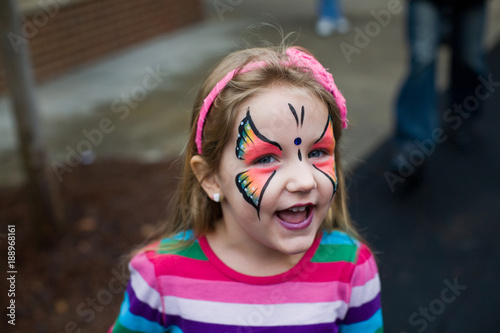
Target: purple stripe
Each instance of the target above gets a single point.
(138, 308)
(195, 326)
(363, 312)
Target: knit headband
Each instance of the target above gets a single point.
(296, 58)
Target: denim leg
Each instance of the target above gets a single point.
(468, 58)
(416, 109)
(329, 9)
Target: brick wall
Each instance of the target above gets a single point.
(64, 34)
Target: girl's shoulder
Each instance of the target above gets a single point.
(167, 255)
(338, 246)
(181, 244)
(348, 255)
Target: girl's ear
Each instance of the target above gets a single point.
(207, 180)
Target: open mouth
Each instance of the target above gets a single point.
(296, 218)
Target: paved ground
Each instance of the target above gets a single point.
(442, 231)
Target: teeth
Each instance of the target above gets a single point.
(298, 209)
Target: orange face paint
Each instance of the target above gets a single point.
(326, 142)
(250, 146)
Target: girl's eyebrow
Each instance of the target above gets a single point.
(251, 143)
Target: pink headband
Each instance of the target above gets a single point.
(296, 58)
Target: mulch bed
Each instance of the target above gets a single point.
(76, 284)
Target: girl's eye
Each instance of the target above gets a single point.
(316, 154)
(266, 160)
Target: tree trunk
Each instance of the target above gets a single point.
(47, 204)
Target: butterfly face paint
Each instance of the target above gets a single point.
(250, 146)
(273, 200)
(326, 143)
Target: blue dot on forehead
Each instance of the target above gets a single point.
(297, 141)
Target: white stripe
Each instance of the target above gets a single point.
(255, 314)
(143, 291)
(365, 293)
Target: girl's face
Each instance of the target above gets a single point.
(277, 172)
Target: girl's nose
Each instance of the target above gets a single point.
(301, 178)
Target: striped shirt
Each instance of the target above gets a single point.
(335, 287)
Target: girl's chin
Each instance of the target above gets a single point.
(295, 242)
(297, 248)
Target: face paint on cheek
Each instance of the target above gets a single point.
(328, 167)
(252, 184)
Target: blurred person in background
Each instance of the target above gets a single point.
(331, 18)
(461, 25)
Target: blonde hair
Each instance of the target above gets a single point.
(191, 208)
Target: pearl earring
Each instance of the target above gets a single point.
(217, 197)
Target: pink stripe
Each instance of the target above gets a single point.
(325, 272)
(365, 271)
(364, 254)
(171, 264)
(237, 292)
(174, 265)
(142, 265)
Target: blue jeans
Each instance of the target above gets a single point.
(330, 9)
(416, 107)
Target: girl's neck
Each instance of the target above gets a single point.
(249, 258)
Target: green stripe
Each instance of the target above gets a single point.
(335, 252)
(119, 328)
(193, 251)
(380, 330)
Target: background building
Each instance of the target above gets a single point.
(63, 34)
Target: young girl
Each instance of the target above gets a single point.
(259, 239)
